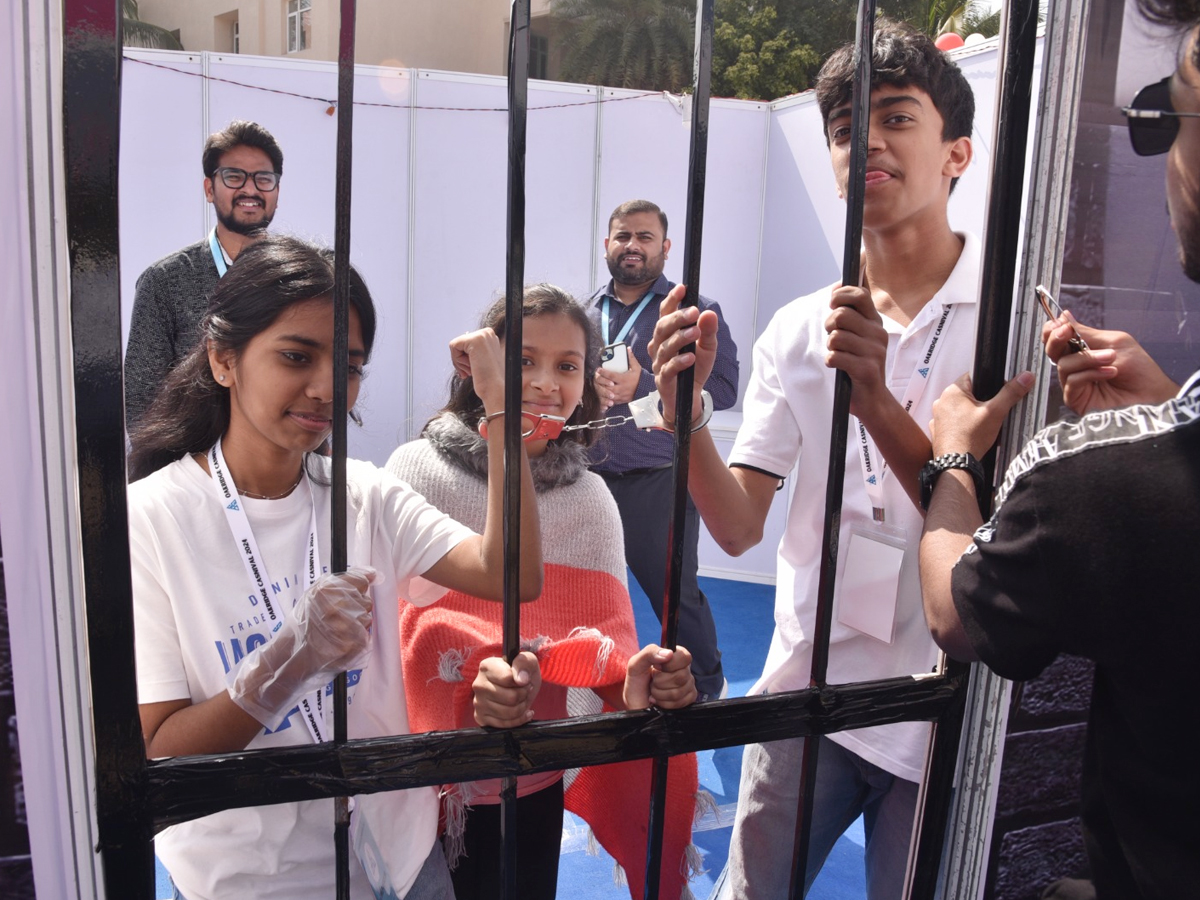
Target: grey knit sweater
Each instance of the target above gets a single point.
(580, 523)
(170, 300)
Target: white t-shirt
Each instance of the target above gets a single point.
(196, 616)
(786, 422)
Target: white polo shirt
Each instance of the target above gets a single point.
(786, 422)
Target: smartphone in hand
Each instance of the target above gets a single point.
(1053, 312)
(615, 357)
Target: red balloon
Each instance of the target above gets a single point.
(948, 41)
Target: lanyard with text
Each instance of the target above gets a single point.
(220, 257)
(874, 467)
(642, 304)
(256, 568)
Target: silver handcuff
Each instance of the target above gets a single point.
(645, 414)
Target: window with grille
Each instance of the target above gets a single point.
(299, 25)
(539, 55)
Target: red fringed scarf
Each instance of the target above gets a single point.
(582, 631)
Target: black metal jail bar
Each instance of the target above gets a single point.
(91, 142)
(998, 272)
(860, 119)
(341, 394)
(514, 312)
(692, 247)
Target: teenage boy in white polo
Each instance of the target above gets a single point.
(902, 337)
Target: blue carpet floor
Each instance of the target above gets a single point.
(744, 617)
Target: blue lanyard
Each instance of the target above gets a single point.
(218, 254)
(628, 324)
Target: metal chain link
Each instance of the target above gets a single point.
(608, 422)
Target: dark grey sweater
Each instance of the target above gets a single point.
(170, 299)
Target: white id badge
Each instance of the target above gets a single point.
(870, 579)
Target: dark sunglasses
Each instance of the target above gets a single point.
(235, 178)
(1153, 122)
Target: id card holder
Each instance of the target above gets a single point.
(869, 584)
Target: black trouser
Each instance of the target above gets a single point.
(539, 838)
(644, 500)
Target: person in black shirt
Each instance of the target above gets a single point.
(1087, 552)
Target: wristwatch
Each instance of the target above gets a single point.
(932, 470)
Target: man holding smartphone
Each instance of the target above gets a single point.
(636, 465)
(1087, 551)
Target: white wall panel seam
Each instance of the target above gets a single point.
(410, 287)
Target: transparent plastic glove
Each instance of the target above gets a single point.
(327, 631)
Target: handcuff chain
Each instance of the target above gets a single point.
(607, 422)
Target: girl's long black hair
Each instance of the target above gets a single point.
(540, 300)
(191, 410)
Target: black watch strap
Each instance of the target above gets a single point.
(933, 469)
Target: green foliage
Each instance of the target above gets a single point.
(961, 17)
(136, 33)
(642, 44)
(756, 59)
(762, 49)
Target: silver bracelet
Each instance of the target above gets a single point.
(647, 413)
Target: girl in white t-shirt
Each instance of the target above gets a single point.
(239, 624)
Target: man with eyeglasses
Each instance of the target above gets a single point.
(242, 167)
(1089, 550)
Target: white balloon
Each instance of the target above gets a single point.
(975, 38)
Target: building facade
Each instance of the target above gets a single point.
(452, 35)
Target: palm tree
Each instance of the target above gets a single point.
(961, 17)
(136, 33)
(643, 44)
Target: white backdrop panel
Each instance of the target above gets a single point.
(379, 247)
(461, 203)
(560, 176)
(798, 255)
(161, 195)
(733, 207)
(459, 209)
(968, 203)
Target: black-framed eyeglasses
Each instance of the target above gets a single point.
(235, 178)
(1152, 120)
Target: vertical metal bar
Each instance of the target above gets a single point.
(1014, 91)
(692, 248)
(341, 369)
(518, 103)
(860, 117)
(91, 142)
(999, 266)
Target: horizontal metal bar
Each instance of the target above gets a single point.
(186, 787)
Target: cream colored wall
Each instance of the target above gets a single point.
(454, 35)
